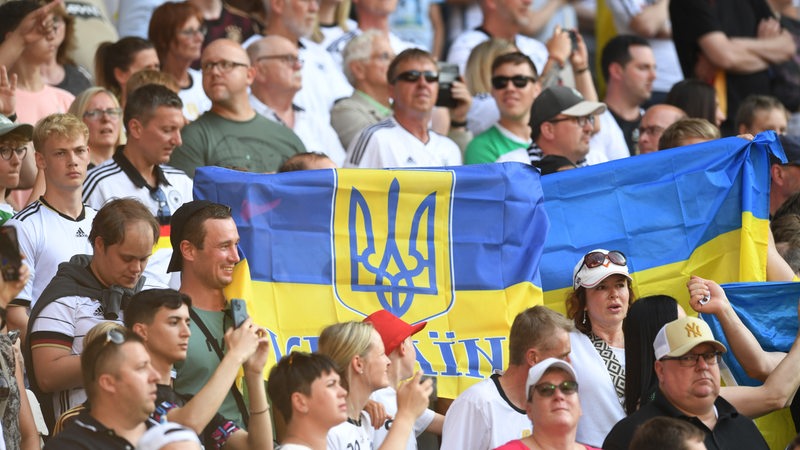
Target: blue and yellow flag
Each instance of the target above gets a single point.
(701, 209)
(459, 248)
(769, 311)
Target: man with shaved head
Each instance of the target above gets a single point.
(655, 120)
(232, 134)
(278, 79)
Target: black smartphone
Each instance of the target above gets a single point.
(239, 311)
(10, 258)
(447, 74)
(573, 36)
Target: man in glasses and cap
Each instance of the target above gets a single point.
(562, 122)
(515, 84)
(404, 139)
(687, 366)
(153, 122)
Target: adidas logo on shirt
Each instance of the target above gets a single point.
(80, 233)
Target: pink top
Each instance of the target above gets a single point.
(32, 106)
(518, 445)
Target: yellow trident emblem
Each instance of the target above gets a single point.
(693, 330)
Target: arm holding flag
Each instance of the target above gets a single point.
(779, 369)
(755, 361)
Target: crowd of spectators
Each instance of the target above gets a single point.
(120, 322)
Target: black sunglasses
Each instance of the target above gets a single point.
(412, 76)
(520, 81)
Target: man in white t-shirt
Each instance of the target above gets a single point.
(153, 120)
(405, 139)
(277, 81)
(492, 412)
(396, 336)
(54, 227)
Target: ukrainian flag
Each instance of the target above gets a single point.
(457, 247)
(701, 209)
(697, 210)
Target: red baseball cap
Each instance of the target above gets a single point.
(393, 330)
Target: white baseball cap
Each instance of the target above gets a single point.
(589, 277)
(536, 372)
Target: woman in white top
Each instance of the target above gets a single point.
(598, 304)
(358, 351)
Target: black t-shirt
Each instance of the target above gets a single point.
(691, 19)
(630, 130)
(86, 433)
(732, 430)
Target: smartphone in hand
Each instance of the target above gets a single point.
(10, 258)
(239, 312)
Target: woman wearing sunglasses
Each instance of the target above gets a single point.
(552, 407)
(598, 304)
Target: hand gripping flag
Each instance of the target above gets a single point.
(459, 248)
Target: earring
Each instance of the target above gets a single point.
(584, 317)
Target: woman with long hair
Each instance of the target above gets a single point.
(358, 351)
(116, 62)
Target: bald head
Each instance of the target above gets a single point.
(277, 64)
(269, 46)
(226, 48)
(657, 119)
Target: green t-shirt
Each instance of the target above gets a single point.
(258, 145)
(492, 144)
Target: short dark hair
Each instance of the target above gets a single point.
(301, 161)
(752, 104)
(295, 373)
(110, 221)
(143, 102)
(12, 13)
(101, 356)
(515, 58)
(695, 97)
(195, 231)
(665, 433)
(617, 50)
(143, 307)
(410, 54)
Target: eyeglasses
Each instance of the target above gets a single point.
(548, 389)
(412, 76)
(6, 152)
(191, 32)
(651, 130)
(690, 359)
(520, 81)
(290, 60)
(225, 66)
(97, 114)
(164, 214)
(581, 121)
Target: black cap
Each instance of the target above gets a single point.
(791, 146)
(176, 225)
(557, 100)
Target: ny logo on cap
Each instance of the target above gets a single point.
(693, 330)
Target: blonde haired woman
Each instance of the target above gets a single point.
(102, 114)
(357, 350)
(483, 113)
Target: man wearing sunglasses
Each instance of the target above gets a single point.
(561, 122)
(153, 121)
(687, 367)
(515, 84)
(404, 139)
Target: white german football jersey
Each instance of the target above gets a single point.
(388, 398)
(47, 238)
(388, 144)
(350, 435)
